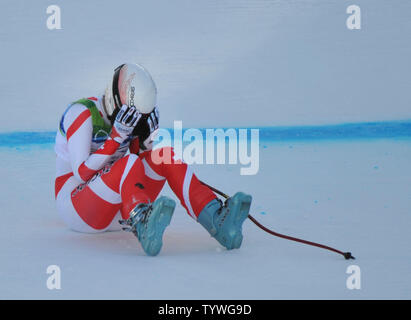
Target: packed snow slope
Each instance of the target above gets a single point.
(354, 195)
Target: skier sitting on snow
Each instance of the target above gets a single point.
(97, 183)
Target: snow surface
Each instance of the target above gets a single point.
(290, 63)
(353, 195)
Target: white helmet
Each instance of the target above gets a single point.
(131, 85)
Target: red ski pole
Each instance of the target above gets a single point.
(346, 255)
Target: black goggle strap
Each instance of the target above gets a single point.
(116, 91)
(116, 94)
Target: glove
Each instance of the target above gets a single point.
(152, 121)
(148, 143)
(147, 129)
(124, 124)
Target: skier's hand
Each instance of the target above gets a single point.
(125, 123)
(148, 138)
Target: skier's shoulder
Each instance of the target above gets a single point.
(81, 106)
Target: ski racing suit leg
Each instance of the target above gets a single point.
(162, 164)
(97, 205)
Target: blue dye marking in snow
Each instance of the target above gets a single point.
(14, 139)
(365, 130)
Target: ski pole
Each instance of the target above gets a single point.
(346, 255)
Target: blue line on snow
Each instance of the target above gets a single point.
(365, 130)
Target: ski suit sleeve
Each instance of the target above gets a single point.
(79, 131)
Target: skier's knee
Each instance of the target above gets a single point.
(164, 155)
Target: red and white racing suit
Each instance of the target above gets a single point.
(98, 181)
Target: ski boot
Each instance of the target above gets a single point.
(148, 222)
(224, 222)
